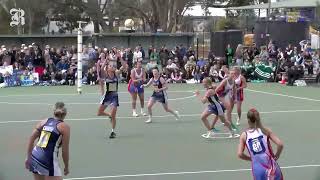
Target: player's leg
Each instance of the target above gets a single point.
(101, 111)
(38, 177)
(134, 103)
(204, 118)
(239, 109)
(167, 109)
(53, 178)
(150, 105)
(113, 113)
(141, 97)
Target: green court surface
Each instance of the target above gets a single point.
(166, 149)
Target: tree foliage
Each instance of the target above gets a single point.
(166, 15)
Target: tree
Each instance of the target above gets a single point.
(35, 12)
(163, 14)
(68, 13)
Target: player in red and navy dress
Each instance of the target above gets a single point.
(241, 83)
(135, 88)
(257, 139)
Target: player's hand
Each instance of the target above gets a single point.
(66, 171)
(197, 93)
(27, 163)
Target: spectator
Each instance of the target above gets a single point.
(164, 56)
(214, 74)
(197, 74)
(154, 55)
(150, 65)
(190, 53)
(201, 63)
(70, 77)
(137, 55)
(229, 55)
(92, 77)
(45, 78)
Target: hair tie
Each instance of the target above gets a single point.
(253, 110)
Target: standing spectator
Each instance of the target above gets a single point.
(239, 55)
(85, 61)
(154, 55)
(229, 55)
(143, 54)
(164, 56)
(137, 55)
(190, 53)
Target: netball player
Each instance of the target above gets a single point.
(257, 140)
(110, 97)
(159, 94)
(51, 134)
(241, 83)
(215, 107)
(135, 87)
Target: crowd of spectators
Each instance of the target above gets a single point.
(58, 65)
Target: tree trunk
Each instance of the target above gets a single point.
(30, 22)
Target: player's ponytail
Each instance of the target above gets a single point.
(59, 111)
(254, 118)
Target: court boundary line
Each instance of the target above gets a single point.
(159, 116)
(82, 103)
(89, 93)
(187, 172)
(283, 95)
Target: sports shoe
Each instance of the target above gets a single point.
(149, 120)
(232, 134)
(177, 115)
(235, 128)
(134, 114)
(209, 134)
(143, 113)
(215, 130)
(238, 122)
(112, 135)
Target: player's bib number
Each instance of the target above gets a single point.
(44, 139)
(256, 145)
(112, 86)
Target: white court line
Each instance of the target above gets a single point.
(163, 116)
(75, 94)
(84, 103)
(187, 172)
(284, 95)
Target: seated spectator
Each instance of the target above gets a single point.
(190, 63)
(214, 74)
(176, 77)
(223, 73)
(201, 62)
(196, 73)
(204, 72)
(188, 74)
(171, 66)
(92, 77)
(62, 64)
(45, 78)
(70, 77)
(58, 79)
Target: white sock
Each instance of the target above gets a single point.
(112, 130)
(134, 111)
(142, 110)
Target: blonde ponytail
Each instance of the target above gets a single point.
(59, 111)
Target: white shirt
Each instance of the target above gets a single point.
(137, 56)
